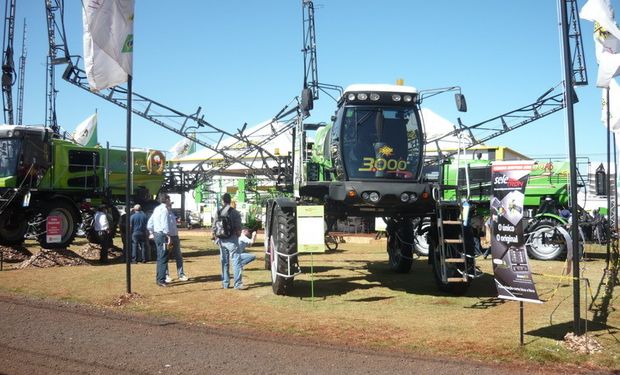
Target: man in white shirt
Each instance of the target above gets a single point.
(158, 225)
(245, 239)
(102, 227)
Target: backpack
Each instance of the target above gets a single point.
(222, 228)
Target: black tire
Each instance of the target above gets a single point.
(543, 242)
(116, 218)
(421, 227)
(13, 227)
(283, 239)
(452, 269)
(69, 219)
(88, 225)
(400, 244)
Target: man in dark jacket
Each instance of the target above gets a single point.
(137, 227)
(229, 247)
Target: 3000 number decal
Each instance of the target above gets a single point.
(380, 164)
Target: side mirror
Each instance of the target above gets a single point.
(461, 104)
(307, 101)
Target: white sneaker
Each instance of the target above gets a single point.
(183, 278)
(168, 279)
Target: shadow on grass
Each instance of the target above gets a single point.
(200, 253)
(419, 280)
(557, 331)
(196, 280)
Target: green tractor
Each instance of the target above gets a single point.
(49, 183)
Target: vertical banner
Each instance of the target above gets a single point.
(310, 229)
(53, 227)
(513, 277)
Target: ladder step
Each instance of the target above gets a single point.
(456, 280)
(453, 204)
(454, 222)
(455, 260)
(457, 240)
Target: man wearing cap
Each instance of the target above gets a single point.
(137, 227)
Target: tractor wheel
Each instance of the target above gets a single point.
(452, 270)
(544, 242)
(282, 239)
(13, 227)
(69, 220)
(116, 218)
(88, 226)
(400, 244)
(420, 241)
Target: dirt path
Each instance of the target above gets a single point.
(41, 337)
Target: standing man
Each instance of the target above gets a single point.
(176, 243)
(229, 246)
(137, 227)
(161, 229)
(102, 227)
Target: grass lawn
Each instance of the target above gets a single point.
(357, 301)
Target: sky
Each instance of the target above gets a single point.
(241, 62)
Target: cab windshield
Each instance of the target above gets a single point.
(9, 156)
(381, 143)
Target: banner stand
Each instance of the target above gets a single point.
(312, 238)
(312, 278)
(521, 320)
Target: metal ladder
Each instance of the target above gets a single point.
(451, 232)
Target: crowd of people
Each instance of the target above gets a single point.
(161, 227)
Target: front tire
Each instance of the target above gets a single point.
(282, 239)
(400, 244)
(13, 227)
(544, 242)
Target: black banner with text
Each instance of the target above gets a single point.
(511, 269)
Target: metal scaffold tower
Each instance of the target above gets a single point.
(8, 65)
(21, 75)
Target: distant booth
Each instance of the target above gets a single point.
(247, 188)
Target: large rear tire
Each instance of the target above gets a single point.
(400, 244)
(69, 220)
(282, 239)
(544, 242)
(13, 227)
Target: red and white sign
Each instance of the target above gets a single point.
(54, 229)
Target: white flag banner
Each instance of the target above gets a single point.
(86, 132)
(614, 107)
(601, 11)
(606, 39)
(108, 42)
(182, 148)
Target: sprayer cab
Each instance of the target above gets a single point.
(377, 150)
(24, 152)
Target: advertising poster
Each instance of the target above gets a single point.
(310, 229)
(513, 277)
(53, 229)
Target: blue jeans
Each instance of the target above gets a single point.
(229, 251)
(162, 257)
(246, 258)
(138, 243)
(176, 253)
